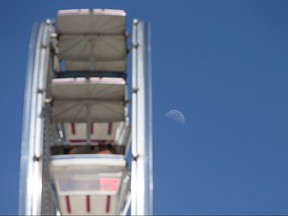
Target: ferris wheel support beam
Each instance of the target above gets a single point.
(30, 191)
(142, 173)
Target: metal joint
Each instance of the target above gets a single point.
(135, 158)
(37, 158)
(135, 90)
(40, 91)
(136, 45)
(44, 46)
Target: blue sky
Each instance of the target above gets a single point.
(222, 63)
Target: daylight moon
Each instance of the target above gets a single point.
(175, 115)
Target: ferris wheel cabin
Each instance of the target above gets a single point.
(89, 112)
(77, 134)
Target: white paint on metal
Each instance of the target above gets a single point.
(142, 176)
(32, 137)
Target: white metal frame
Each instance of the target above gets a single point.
(31, 174)
(30, 195)
(142, 173)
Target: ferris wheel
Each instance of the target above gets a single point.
(77, 125)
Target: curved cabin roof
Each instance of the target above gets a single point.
(93, 39)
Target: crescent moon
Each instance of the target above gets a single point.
(176, 115)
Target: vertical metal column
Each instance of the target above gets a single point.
(142, 173)
(30, 191)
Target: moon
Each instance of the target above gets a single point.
(175, 115)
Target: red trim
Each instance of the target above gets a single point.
(91, 128)
(73, 129)
(109, 128)
(87, 203)
(68, 207)
(108, 201)
(84, 140)
(77, 140)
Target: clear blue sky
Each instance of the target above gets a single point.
(224, 64)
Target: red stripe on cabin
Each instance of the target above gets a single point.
(77, 140)
(87, 203)
(68, 207)
(73, 130)
(109, 128)
(108, 201)
(91, 128)
(93, 140)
